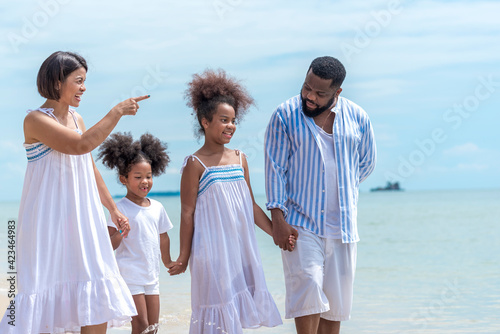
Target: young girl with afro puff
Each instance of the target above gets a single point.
(218, 213)
(138, 255)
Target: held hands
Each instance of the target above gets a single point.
(284, 235)
(130, 106)
(177, 267)
(171, 264)
(121, 222)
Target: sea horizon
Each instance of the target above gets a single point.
(176, 192)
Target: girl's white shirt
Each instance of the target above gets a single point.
(138, 255)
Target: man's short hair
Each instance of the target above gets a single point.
(56, 68)
(328, 68)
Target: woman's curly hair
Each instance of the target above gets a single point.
(211, 88)
(120, 151)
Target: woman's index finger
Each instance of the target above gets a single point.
(140, 98)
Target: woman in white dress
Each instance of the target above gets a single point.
(68, 279)
(218, 216)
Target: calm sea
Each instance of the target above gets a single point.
(428, 262)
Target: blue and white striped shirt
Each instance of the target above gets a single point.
(295, 179)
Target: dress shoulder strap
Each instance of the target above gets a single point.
(192, 156)
(72, 112)
(195, 157)
(46, 111)
(238, 152)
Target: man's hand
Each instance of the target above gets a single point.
(282, 231)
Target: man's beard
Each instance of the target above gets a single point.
(318, 110)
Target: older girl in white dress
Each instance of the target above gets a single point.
(218, 216)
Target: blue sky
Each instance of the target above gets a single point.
(427, 73)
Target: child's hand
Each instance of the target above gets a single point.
(292, 240)
(177, 268)
(171, 264)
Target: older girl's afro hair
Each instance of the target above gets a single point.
(207, 90)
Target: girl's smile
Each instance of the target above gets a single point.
(139, 182)
(223, 124)
(228, 134)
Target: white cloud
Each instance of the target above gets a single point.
(464, 32)
(8, 147)
(456, 169)
(466, 149)
(173, 170)
(419, 55)
(380, 87)
(386, 138)
(472, 167)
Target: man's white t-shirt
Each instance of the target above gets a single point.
(138, 255)
(327, 148)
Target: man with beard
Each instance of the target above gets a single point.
(319, 147)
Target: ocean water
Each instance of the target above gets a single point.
(428, 262)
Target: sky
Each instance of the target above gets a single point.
(426, 72)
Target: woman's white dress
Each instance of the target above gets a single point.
(228, 288)
(67, 276)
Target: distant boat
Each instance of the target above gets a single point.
(389, 187)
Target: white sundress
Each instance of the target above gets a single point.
(67, 276)
(228, 288)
